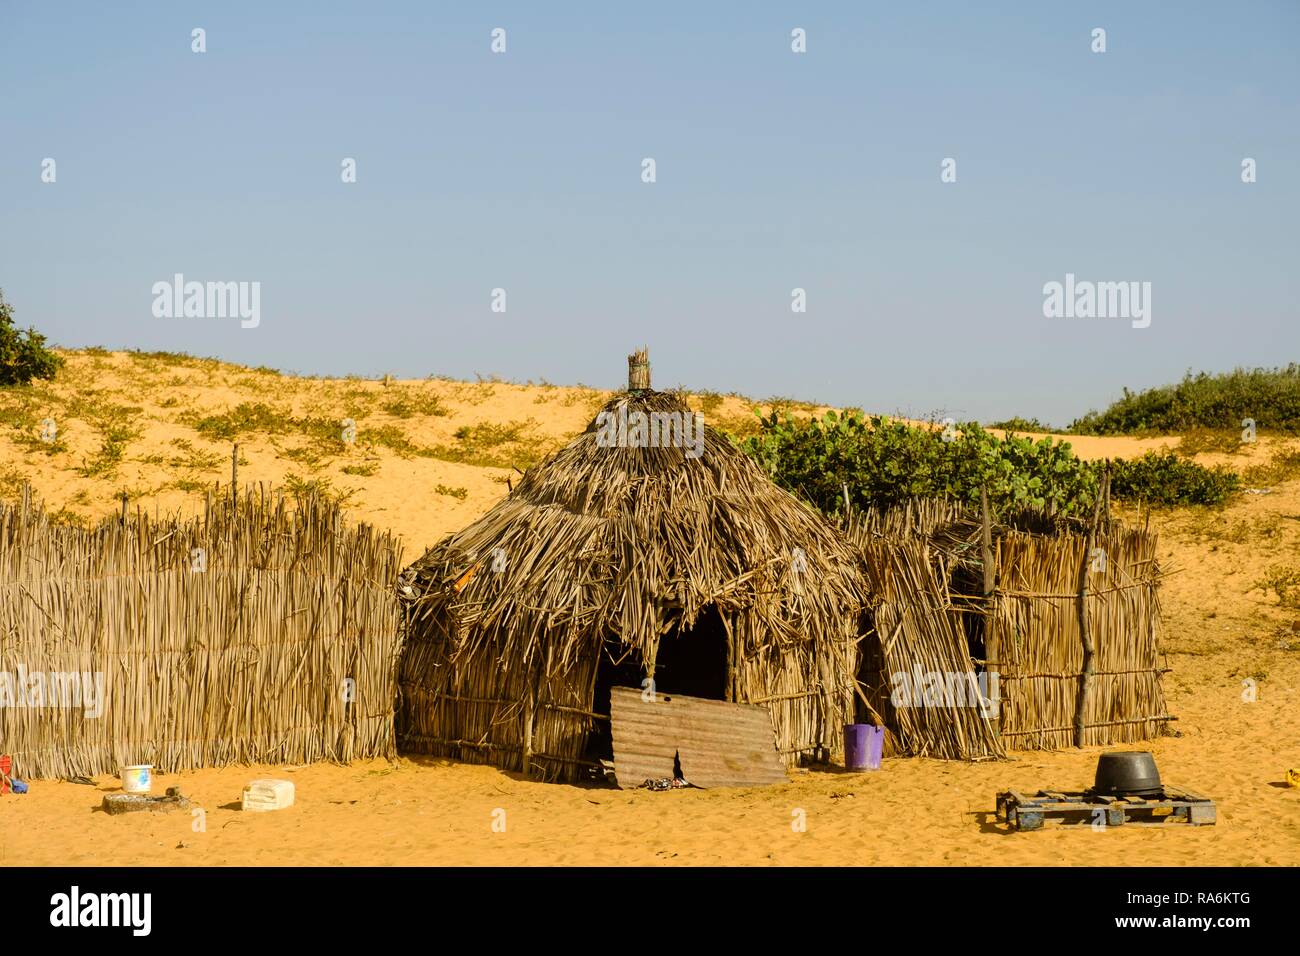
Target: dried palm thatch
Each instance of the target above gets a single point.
(257, 633)
(599, 556)
(1068, 619)
(918, 672)
(916, 517)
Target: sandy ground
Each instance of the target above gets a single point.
(1220, 630)
(911, 812)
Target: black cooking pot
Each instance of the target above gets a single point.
(1127, 773)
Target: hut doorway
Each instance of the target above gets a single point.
(693, 660)
(617, 667)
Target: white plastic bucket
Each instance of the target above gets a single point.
(137, 778)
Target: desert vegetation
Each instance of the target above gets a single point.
(1220, 402)
(24, 355)
(847, 460)
(157, 425)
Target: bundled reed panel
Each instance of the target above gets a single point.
(919, 673)
(925, 562)
(1035, 638)
(258, 633)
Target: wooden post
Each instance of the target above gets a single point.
(829, 726)
(989, 586)
(125, 506)
(234, 475)
(527, 759)
(638, 371)
(1105, 489)
(733, 691)
(986, 543)
(1085, 636)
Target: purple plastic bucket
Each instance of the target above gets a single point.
(863, 746)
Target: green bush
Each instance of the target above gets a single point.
(23, 355)
(245, 418)
(1167, 479)
(1269, 396)
(883, 462)
(1018, 424)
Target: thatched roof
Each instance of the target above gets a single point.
(630, 542)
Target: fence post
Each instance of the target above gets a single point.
(733, 661)
(234, 475)
(1105, 489)
(990, 585)
(526, 760)
(1085, 636)
(986, 542)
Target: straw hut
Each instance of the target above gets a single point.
(647, 549)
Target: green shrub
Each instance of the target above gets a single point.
(301, 489)
(1167, 479)
(1200, 441)
(488, 444)
(23, 355)
(1269, 396)
(244, 418)
(1018, 424)
(408, 405)
(1284, 465)
(1284, 581)
(885, 462)
(882, 461)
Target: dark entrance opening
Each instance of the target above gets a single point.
(872, 675)
(693, 661)
(618, 667)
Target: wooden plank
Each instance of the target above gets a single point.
(1078, 808)
(1028, 820)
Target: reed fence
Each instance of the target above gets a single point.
(919, 673)
(260, 632)
(1065, 613)
(1057, 595)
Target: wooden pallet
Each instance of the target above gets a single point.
(1072, 807)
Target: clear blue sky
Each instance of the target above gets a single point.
(775, 170)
